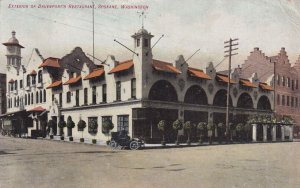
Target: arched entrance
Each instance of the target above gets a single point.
(220, 98)
(163, 91)
(195, 95)
(264, 103)
(245, 101)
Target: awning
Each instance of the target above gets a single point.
(37, 109)
(247, 83)
(50, 62)
(122, 66)
(96, 73)
(55, 84)
(11, 113)
(73, 80)
(198, 73)
(265, 86)
(224, 78)
(165, 67)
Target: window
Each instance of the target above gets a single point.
(288, 82)
(85, 96)
(296, 84)
(28, 101)
(92, 125)
(37, 97)
(60, 100)
(146, 43)
(278, 79)
(292, 101)
(68, 97)
(283, 100)
(44, 95)
(278, 99)
(16, 85)
(41, 96)
(288, 100)
(118, 91)
(94, 95)
(52, 97)
(11, 86)
(25, 99)
(31, 98)
(77, 97)
(138, 41)
(21, 84)
(293, 84)
(40, 76)
(104, 97)
(33, 79)
(28, 80)
(133, 88)
(123, 123)
(296, 102)
(283, 81)
(104, 119)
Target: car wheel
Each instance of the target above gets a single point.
(134, 145)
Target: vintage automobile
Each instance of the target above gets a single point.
(121, 140)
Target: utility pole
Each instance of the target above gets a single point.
(228, 53)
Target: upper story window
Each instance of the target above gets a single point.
(37, 97)
(77, 97)
(44, 95)
(104, 93)
(283, 100)
(296, 84)
(60, 100)
(21, 84)
(138, 42)
(40, 76)
(292, 101)
(283, 81)
(16, 85)
(293, 84)
(288, 82)
(11, 86)
(85, 96)
(94, 95)
(33, 79)
(118, 91)
(133, 88)
(288, 100)
(278, 79)
(28, 80)
(296, 102)
(278, 99)
(68, 97)
(146, 42)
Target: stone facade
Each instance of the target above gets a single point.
(286, 85)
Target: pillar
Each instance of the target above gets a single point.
(274, 133)
(254, 132)
(265, 132)
(282, 132)
(291, 133)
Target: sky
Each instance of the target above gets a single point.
(186, 25)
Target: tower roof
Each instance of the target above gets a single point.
(142, 31)
(13, 41)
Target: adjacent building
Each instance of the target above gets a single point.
(2, 93)
(134, 94)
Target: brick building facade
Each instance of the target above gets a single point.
(286, 85)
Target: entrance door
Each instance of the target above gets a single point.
(54, 118)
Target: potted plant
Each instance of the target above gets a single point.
(161, 127)
(177, 125)
(61, 125)
(50, 125)
(93, 128)
(210, 129)
(188, 127)
(81, 125)
(220, 130)
(201, 127)
(247, 130)
(70, 126)
(107, 126)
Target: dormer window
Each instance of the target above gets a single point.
(146, 44)
(138, 41)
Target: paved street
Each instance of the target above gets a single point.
(42, 163)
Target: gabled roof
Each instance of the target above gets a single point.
(96, 73)
(37, 109)
(73, 80)
(165, 67)
(265, 86)
(198, 73)
(50, 62)
(33, 72)
(54, 84)
(247, 83)
(122, 66)
(224, 78)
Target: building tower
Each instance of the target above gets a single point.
(13, 53)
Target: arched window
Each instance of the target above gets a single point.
(41, 96)
(195, 95)
(37, 97)
(163, 91)
(245, 101)
(28, 80)
(40, 76)
(31, 98)
(45, 95)
(264, 103)
(220, 98)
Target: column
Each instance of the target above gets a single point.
(254, 134)
(274, 133)
(282, 132)
(265, 132)
(291, 133)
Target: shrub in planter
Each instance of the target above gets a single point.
(210, 129)
(188, 127)
(71, 138)
(177, 125)
(161, 127)
(81, 139)
(94, 141)
(201, 127)
(61, 125)
(81, 125)
(70, 123)
(107, 126)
